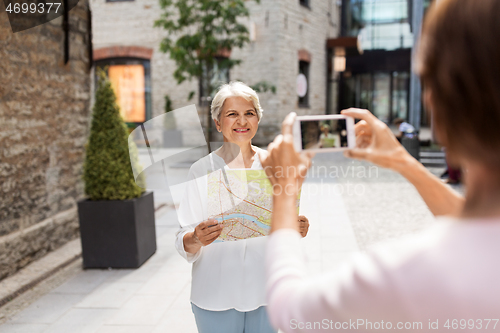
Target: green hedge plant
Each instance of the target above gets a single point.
(107, 169)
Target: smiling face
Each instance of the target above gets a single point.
(238, 120)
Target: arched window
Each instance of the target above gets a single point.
(304, 64)
(129, 71)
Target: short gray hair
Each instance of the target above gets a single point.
(234, 89)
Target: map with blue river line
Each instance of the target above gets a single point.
(242, 201)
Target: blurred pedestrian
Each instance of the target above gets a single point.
(452, 175)
(405, 129)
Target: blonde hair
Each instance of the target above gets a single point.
(234, 89)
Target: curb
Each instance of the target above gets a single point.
(38, 271)
(33, 283)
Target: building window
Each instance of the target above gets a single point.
(304, 69)
(400, 94)
(130, 79)
(386, 94)
(304, 3)
(381, 24)
(218, 77)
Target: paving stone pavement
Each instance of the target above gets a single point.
(348, 212)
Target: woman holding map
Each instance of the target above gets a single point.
(228, 277)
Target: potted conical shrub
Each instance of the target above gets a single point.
(117, 222)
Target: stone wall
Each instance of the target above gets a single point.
(283, 27)
(44, 117)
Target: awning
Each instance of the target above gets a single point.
(350, 45)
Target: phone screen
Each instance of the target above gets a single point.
(318, 134)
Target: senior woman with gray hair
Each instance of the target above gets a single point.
(228, 284)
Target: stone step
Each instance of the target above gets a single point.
(433, 161)
(436, 154)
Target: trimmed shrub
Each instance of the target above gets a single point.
(107, 170)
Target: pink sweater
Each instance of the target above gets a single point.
(447, 277)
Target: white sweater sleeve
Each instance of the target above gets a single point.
(179, 245)
(359, 291)
(190, 213)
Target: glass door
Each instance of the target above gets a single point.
(400, 90)
(381, 96)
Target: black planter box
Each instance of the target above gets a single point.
(116, 233)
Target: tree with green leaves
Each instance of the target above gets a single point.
(199, 31)
(107, 170)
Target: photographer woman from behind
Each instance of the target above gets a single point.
(449, 271)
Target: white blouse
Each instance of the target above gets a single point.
(225, 275)
(443, 279)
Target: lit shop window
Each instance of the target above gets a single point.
(130, 81)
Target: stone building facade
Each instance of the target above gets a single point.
(286, 32)
(44, 117)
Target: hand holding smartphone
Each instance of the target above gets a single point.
(324, 133)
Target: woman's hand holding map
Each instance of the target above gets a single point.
(204, 233)
(303, 225)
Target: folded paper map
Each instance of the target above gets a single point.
(242, 200)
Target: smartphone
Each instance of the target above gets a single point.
(324, 133)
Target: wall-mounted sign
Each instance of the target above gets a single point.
(301, 85)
